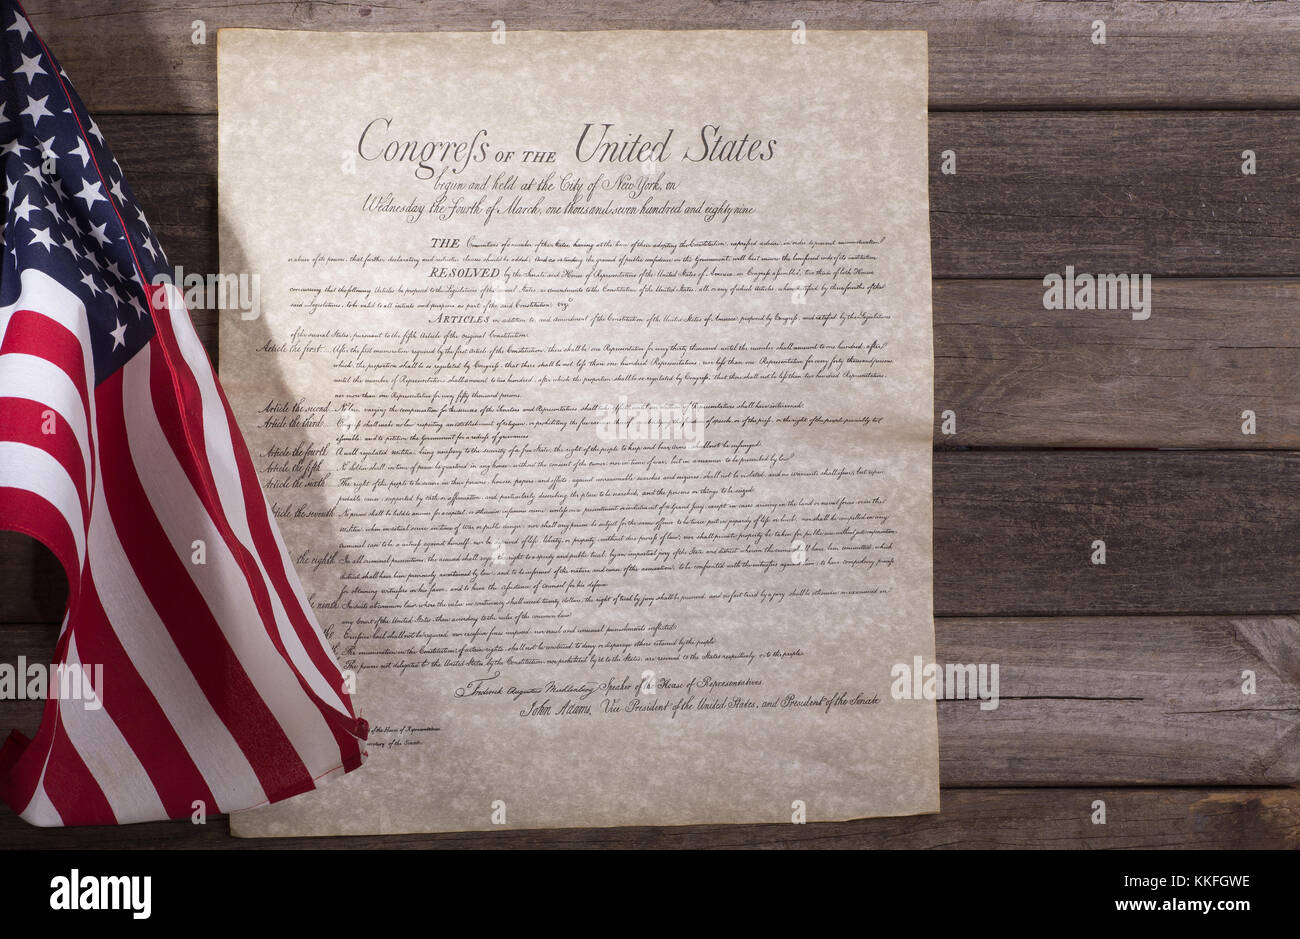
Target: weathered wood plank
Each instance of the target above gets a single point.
(993, 53)
(1081, 702)
(1123, 192)
(1015, 374)
(1160, 193)
(32, 585)
(969, 818)
(1125, 701)
(1185, 532)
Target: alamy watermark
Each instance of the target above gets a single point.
(1071, 291)
(36, 682)
(651, 421)
(78, 891)
(242, 292)
(951, 682)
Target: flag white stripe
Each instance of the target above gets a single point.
(41, 293)
(23, 375)
(23, 466)
(162, 668)
(107, 755)
(221, 581)
(40, 810)
(225, 472)
(296, 583)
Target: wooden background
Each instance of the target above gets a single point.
(1121, 682)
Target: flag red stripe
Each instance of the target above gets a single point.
(347, 729)
(256, 515)
(71, 786)
(23, 420)
(131, 704)
(32, 333)
(173, 373)
(260, 525)
(22, 760)
(35, 333)
(24, 511)
(182, 609)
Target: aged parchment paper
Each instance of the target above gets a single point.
(591, 382)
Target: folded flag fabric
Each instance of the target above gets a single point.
(207, 680)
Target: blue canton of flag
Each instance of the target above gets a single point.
(68, 211)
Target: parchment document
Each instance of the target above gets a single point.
(591, 381)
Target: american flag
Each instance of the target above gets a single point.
(119, 452)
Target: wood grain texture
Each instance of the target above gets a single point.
(1185, 532)
(1124, 192)
(1160, 193)
(141, 57)
(1015, 374)
(1123, 701)
(1230, 818)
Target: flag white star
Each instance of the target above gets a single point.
(137, 306)
(19, 25)
(92, 193)
(116, 189)
(25, 209)
(36, 109)
(3, 116)
(71, 244)
(42, 236)
(10, 190)
(148, 246)
(80, 152)
(112, 292)
(97, 232)
(31, 66)
(89, 281)
(12, 146)
(119, 334)
(113, 269)
(94, 130)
